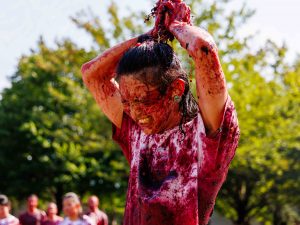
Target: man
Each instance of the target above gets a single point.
(95, 213)
(33, 215)
(179, 147)
(52, 217)
(5, 217)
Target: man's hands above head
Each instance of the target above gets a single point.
(165, 13)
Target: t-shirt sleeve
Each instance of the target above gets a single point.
(122, 135)
(15, 221)
(219, 148)
(218, 151)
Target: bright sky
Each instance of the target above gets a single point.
(22, 22)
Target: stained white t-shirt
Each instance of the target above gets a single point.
(85, 220)
(10, 220)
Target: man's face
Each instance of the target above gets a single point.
(32, 202)
(52, 209)
(71, 208)
(4, 211)
(145, 105)
(93, 202)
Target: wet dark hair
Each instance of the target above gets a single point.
(155, 63)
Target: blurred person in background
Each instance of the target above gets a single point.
(52, 217)
(5, 217)
(33, 215)
(95, 213)
(73, 211)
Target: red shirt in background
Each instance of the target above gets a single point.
(51, 222)
(99, 217)
(32, 219)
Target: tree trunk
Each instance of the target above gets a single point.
(58, 197)
(242, 216)
(242, 223)
(277, 217)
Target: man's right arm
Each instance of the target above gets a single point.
(98, 75)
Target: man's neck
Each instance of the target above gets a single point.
(94, 210)
(32, 210)
(73, 217)
(51, 217)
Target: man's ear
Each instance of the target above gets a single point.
(177, 87)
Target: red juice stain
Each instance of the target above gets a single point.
(205, 49)
(157, 214)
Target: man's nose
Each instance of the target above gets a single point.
(135, 109)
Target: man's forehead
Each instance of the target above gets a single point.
(93, 198)
(52, 205)
(133, 86)
(32, 198)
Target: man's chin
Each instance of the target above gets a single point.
(148, 131)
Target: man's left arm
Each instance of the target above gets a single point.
(210, 79)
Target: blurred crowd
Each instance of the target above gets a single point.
(72, 209)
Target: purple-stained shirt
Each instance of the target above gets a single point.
(32, 219)
(52, 222)
(175, 177)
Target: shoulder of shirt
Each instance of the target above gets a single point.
(103, 213)
(43, 213)
(87, 219)
(14, 217)
(65, 220)
(11, 216)
(60, 219)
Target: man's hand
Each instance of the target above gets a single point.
(166, 12)
(177, 11)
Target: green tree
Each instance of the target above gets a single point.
(262, 175)
(54, 139)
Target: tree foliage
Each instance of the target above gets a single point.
(54, 138)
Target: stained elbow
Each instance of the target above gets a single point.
(85, 67)
(205, 47)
